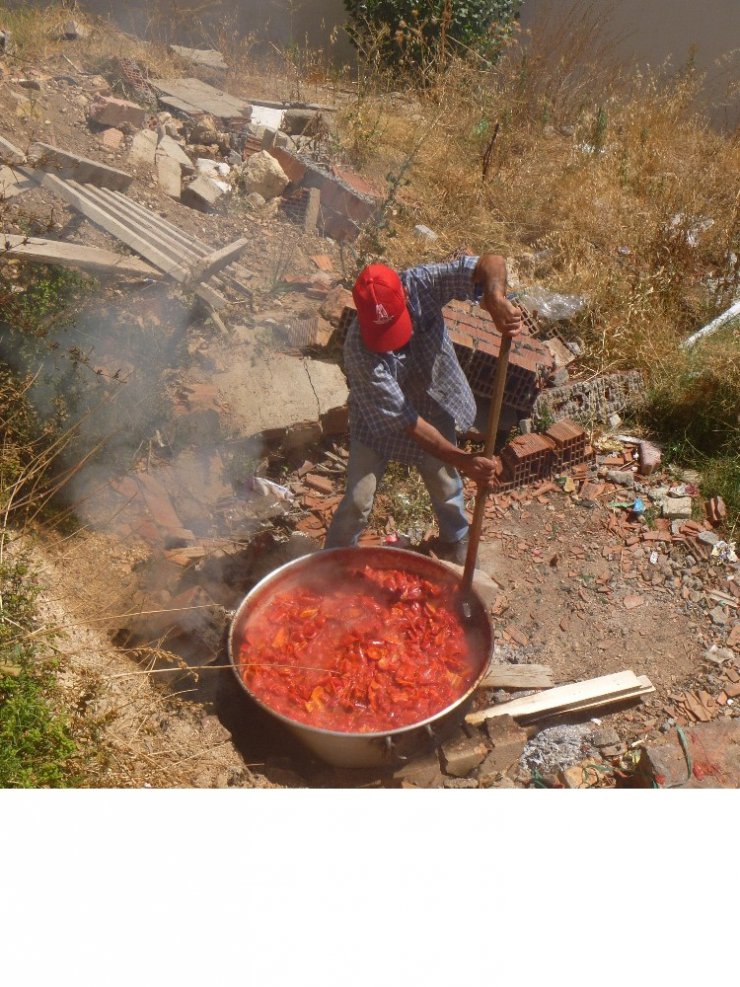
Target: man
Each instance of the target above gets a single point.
(408, 395)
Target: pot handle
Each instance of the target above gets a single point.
(390, 745)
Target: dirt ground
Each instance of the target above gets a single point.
(579, 592)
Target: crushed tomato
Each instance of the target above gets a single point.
(370, 650)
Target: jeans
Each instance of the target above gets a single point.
(365, 470)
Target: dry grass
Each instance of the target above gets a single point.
(610, 173)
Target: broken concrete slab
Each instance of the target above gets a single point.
(207, 57)
(195, 98)
(677, 507)
(109, 111)
(144, 147)
(64, 164)
(203, 194)
(10, 154)
(42, 251)
(169, 147)
(169, 175)
(281, 393)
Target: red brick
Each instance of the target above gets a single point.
(321, 483)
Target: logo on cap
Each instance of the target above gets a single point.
(381, 316)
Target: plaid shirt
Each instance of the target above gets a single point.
(389, 391)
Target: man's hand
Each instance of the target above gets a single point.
(490, 274)
(506, 316)
(484, 472)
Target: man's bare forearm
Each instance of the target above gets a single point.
(431, 440)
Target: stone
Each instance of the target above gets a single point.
(109, 111)
(424, 233)
(169, 147)
(302, 121)
(169, 176)
(605, 738)
(621, 479)
(719, 616)
(261, 173)
(313, 207)
(614, 421)
(649, 458)
(203, 194)
(207, 57)
(526, 426)
(460, 783)
(255, 201)
(462, 754)
(579, 776)
(677, 507)
(422, 772)
(144, 147)
(111, 138)
(509, 741)
(708, 538)
(718, 656)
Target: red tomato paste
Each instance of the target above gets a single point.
(371, 650)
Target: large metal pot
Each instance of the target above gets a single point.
(392, 747)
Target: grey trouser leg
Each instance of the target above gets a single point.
(365, 470)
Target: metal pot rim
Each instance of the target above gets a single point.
(340, 734)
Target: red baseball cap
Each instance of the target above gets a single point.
(385, 323)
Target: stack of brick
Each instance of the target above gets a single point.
(571, 447)
(477, 343)
(527, 458)
(534, 457)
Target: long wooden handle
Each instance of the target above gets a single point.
(497, 397)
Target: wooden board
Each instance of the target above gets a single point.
(517, 677)
(42, 251)
(564, 697)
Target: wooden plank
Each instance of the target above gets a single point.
(554, 699)
(40, 251)
(517, 676)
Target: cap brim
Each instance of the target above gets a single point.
(382, 339)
